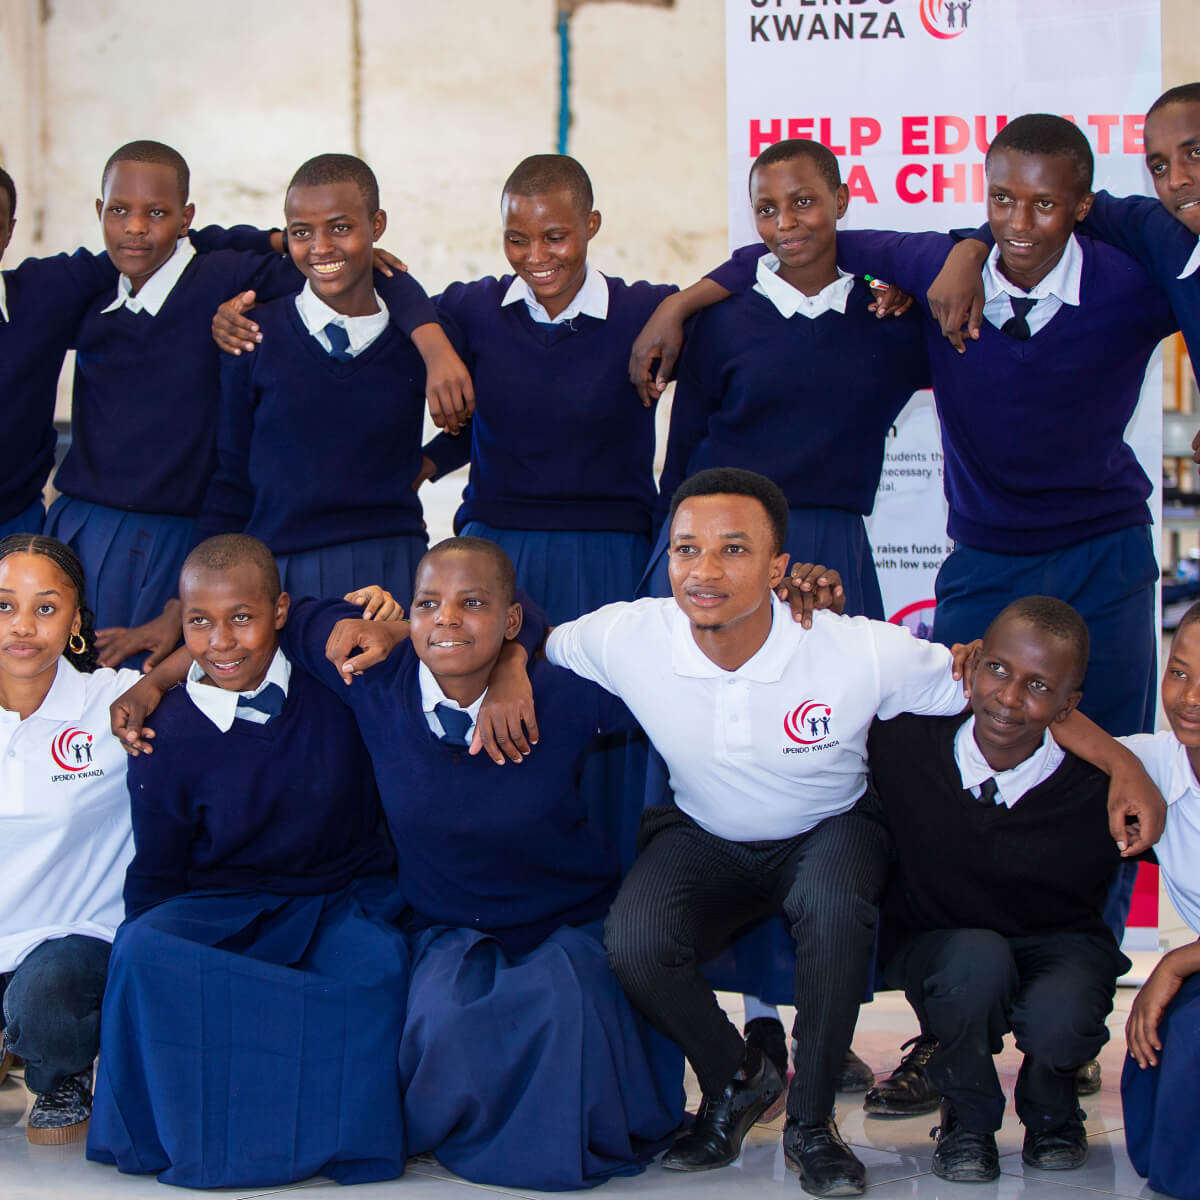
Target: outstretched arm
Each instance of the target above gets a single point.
(661, 338)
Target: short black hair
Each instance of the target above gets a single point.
(1057, 619)
(339, 168)
(150, 152)
(1046, 134)
(67, 561)
(733, 481)
(7, 185)
(1189, 618)
(541, 173)
(1185, 93)
(474, 545)
(228, 550)
(822, 157)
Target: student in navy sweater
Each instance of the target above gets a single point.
(145, 394)
(1007, 933)
(256, 979)
(319, 440)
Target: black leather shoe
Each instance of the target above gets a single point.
(855, 1075)
(1087, 1078)
(715, 1139)
(768, 1035)
(962, 1155)
(907, 1091)
(1060, 1149)
(826, 1164)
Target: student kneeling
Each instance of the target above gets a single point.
(992, 920)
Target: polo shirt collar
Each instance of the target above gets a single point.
(590, 301)
(1183, 778)
(67, 697)
(154, 292)
(1062, 283)
(1192, 263)
(3, 299)
(766, 665)
(219, 705)
(791, 301)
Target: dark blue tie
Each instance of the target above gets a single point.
(269, 701)
(1017, 326)
(455, 724)
(987, 792)
(339, 343)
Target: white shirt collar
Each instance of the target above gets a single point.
(432, 695)
(590, 301)
(1192, 264)
(766, 665)
(361, 331)
(220, 706)
(3, 298)
(1061, 283)
(154, 292)
(1012, 784)
(67, 697)
(791, 301)
(1183, 778)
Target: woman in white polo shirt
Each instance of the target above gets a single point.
(65, 829)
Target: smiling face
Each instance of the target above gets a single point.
(1034, 204)
(143, 215)
(1025, 679)
(331, 238)
(231, 623)
(1181, 691)
(796, 215)
(545, 241)
(1173, 158)
(461, 617)
(39, 610)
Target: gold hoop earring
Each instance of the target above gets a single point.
(71, 643)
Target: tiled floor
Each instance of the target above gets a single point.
(895, 1152)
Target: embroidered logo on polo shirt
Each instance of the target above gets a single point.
(808, 725)
(72, 750)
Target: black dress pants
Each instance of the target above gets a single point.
(689, 891)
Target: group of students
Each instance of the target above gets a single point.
(476, 924)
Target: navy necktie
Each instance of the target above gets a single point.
(1017, 326)
(455, 724)
(987, 792)
(269, 701)
(339, 342)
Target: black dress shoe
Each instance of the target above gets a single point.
(855, 1075)
(826, 1164)
(715, 1139)
(962, 1155)
(1087, 1078)
(1060, 1149)
(767, 1034)
(907, 1091)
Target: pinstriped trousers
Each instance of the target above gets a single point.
(689, 891)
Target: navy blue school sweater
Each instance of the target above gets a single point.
(46, 300)
(313, 452)
(806, 402)
(512, 851)
(146, 391)
(1042, 866)
(288, 807)
(1033, 432)
(559, 439)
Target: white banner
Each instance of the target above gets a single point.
(908, 94)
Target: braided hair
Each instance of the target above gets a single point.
(66, 560)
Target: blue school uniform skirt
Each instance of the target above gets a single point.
(532, 1070)
(1162, 1104)
(30, 521)
(250, 1040)
(332, 571)
(131, 560)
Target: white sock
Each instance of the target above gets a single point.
(754, 1008)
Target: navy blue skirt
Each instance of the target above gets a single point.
(1162, 1104)
(333, 571)
(250, 1040)
(532, 1071)
(30, 521)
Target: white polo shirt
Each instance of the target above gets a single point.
(1178, 850)
(65, 830)
(773, 748)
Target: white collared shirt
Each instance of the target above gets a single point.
(361, 331)
(64, 815)
(773, 748)
(432, 695)
(3, 299)
(1060, 286)
(221, 706)
(590, 301)
(1178, 850)
(1012, 784)
(1192, 263)
(792, 302)
(152, 295)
